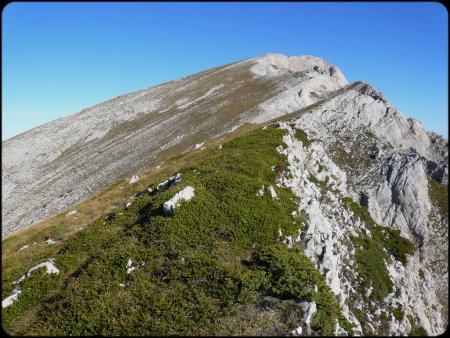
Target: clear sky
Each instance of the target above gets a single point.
(58, 58)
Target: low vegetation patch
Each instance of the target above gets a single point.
(313, 179)
(395, 244)
(421, 274)
(370, 255)
(370, 258)
(353, 154)
(302, 137)
(416, 330)
(289, 274)
(438, 194)
(398, 313)
(359, 211)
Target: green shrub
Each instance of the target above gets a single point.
(391, 239)
(35, 289)
(346, 325)
(398, 313)
(395, 244)
(361, 212)
(370, 258)
(418, 331)
(193, 272)
(438, 194)
(421, 274)
(291, 275)
(301, 136)
(323, 322)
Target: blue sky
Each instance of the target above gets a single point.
(59, 58)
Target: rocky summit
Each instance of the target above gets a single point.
(326, 215)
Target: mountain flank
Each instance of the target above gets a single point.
(52, 167)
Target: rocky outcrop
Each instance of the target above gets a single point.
(183, 195)
(305, 79)
(385, 162)
(50, 268)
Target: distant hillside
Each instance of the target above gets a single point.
(52, 167)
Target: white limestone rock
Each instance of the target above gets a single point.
(130, 268)
(8, 301)
(23, 248)
(297, 331)
(260, 191)
(50, 268)
(134, 179)
(273, 193)
(309, 309)
(184, 195)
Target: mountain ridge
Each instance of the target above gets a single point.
(105, 126)
(370, 189)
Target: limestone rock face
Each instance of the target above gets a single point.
(385, 161)
(306, 79)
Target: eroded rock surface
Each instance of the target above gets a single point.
(365, 149)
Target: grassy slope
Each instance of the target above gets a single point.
(438, 194)
(215, 267)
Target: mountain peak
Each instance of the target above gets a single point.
(366, 88)
(274, 63)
